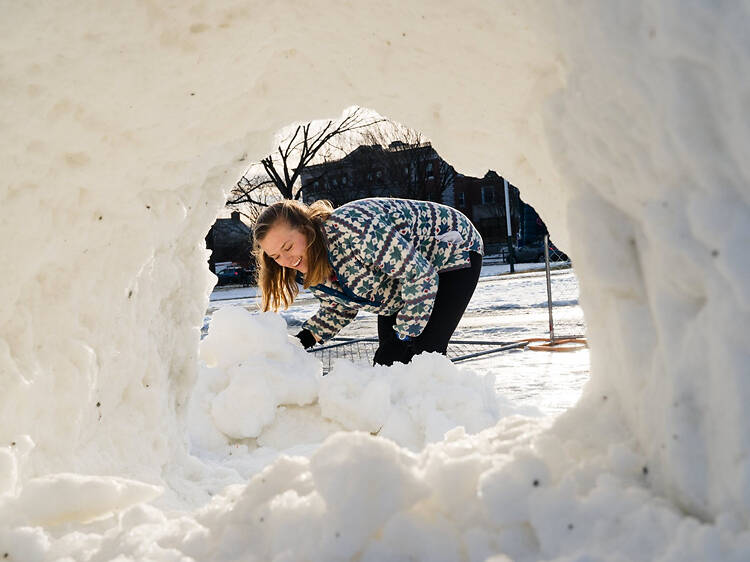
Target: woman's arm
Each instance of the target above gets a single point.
(330, 319)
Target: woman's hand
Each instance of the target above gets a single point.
(306, 338)
(394, 350)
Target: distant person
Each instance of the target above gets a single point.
(413, 263)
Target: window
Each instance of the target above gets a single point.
(317, 184)
(406, 170)
(488, 194)
(461, 199)
(335, 182)
(428, 171)
(379, 174)
(343, 180)
(369, 176)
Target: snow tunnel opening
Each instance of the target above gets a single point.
(371, 156)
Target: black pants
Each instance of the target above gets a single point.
(455, 289)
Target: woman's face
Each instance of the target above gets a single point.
(286, 246)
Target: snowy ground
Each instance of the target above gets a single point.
(505, 308)
(418, 462)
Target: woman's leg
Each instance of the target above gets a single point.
(390, 349)
(455, 289)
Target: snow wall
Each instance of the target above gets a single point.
(624, 125)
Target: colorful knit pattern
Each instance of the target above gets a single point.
(386, 255)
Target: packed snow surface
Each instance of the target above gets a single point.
(625, 125)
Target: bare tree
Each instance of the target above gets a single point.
(278, 174)
(252, 193)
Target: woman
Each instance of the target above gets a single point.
(414, 263)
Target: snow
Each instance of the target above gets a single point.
(77, 498)
(258, 384)
(261, 370)
(122, 129)
(230, 293)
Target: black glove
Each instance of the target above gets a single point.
(306, 338)
(393, 351)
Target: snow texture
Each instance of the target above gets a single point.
(626, 127)
(258, 385)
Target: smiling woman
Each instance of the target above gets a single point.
(413, 263)
(291, 244)
(288, 238)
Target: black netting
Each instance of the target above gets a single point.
(362, 350)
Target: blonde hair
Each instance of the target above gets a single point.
(278, 284)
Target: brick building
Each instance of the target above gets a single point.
(418, 172)
(483, 201)
(399, 170)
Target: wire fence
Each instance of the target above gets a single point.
(362, 350)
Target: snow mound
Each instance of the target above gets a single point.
(252, 369)
(258, 387)
(518, 488)
(411, 404)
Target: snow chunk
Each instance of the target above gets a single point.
(363, 481)
(256, 370)
(60, 498)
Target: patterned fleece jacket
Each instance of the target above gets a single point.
(386, 255)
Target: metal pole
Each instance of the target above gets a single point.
(549, 288)
(511, 254)
(488, 351)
